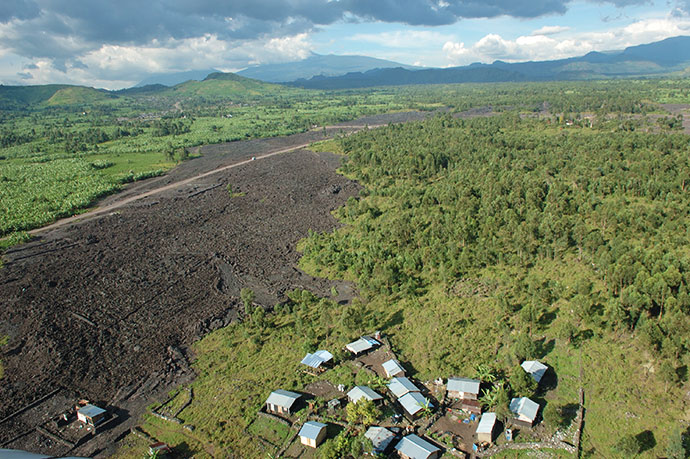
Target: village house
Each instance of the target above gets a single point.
(312, 433)
(364, 344)
(414, 403)
(392, 368)
(463, 388)
(524, 409)
(401, 386)
(466, 391)
(535, 369)
(317, 359)
(280, 401)
(381, 438)
(414, 447)
(485, 428)
(363, 392)
(91, 414)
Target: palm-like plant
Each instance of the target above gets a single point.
(489, 398)
(426, 408)
(484, 373)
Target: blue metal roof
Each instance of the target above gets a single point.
(283, 398)
(535, 368)
(380, 438)
(91, 411)
(400, 386)
(463, 385)
(415, 447)
(414, 402)
(359, 392)
(392, 367)
(524, 407)
(311, 429)
(363, 344)
(486, 423)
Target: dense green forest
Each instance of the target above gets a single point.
(96, 140)
(554, 228)
(566, 238)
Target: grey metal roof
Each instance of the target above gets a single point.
(324, 355)
(91, 411)
(392, 367)
(486, 423)
(463, 385)
(283, 398)
(317, 358)
(311, 429)
(535, 368)
(413, 402)
(380, 437)
(358, 392)
(416, 447)
(363, 344)
(524, 407)
(401, 386)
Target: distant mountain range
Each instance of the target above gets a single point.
(318, 65)
(171, 79)
(668, 57)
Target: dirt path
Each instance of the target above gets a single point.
(129, 199)
(116, 205)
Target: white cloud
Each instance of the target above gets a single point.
(406, 39)
(542, 45)
(550, 30)
(291, 48)
(117, 66)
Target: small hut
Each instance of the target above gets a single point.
(91, 414)
(312, 433)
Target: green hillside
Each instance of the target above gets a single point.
(230, 85)
(15, 97)
(78, 95)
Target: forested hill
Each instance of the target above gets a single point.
(666, 57)
(489, 241)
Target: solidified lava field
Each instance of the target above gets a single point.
(106, 306)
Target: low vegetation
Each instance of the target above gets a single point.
(556, 229)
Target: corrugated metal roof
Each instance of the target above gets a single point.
(535, 368)
(363, 344)
(311, 429)
(283, 398)
(324, 355)
(401, 386)
(392, 367)
(358, 392)
(416, 447)
(91, 410)
(524, 407)
(380, 437)
(486, 423)
(414, 402)
(463, 385)
(317, 358)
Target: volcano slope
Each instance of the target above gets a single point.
(104, 308)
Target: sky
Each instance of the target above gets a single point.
(115, 44)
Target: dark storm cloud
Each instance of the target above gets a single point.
(17, 9)
(64, 28)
